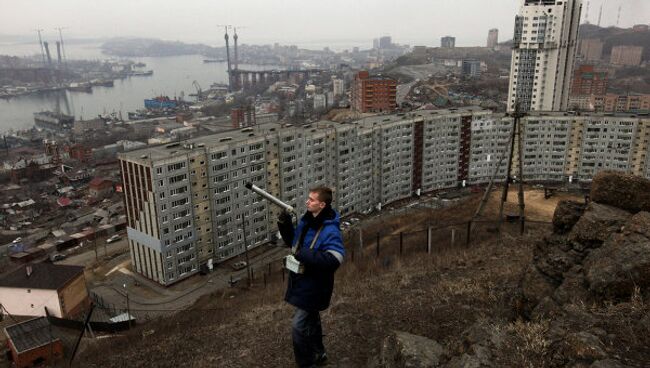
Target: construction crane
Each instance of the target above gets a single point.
(65, 60)
(40, 42)
(199, 91)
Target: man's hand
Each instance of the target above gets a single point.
(285, 226)
(284, 218)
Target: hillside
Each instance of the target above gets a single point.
(469, 300)
(613, 36)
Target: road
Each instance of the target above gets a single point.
(148, 299)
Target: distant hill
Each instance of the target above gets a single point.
(613, 36)
(135, 47)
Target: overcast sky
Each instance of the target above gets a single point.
(339, 23)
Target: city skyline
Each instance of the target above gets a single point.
(306, 24)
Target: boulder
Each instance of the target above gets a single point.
(573, 289)
(535, 286)
(623, 261)
(566, 214)
(405, 350)
(553, 256)
(596, 225)
(583, 346)
(545, 309)
(608, 363)
(628, 192)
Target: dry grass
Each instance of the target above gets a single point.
(437, 295)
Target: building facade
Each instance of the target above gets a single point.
(591, 49)
(373, 93)
(187, 205)
(626, 55)
(448, 42)
(493, 38)
(544, 50)
(471, 68)
(588, 81)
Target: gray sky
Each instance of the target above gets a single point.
(308, 23)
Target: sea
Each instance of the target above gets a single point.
(173, 76)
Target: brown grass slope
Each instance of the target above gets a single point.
(446, 296)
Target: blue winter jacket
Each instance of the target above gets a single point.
(312, 290)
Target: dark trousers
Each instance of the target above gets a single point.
(307, 335)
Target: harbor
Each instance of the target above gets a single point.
(171, 76)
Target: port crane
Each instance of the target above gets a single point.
(199, 91)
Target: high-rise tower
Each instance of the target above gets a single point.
(543, 55)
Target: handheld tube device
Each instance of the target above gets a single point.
(290, 262)
(270, 197)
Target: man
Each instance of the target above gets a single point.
(318, 245)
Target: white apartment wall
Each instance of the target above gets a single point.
(30, 302)
(555, 56)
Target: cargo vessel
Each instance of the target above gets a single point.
(160, 102)
(53, 121)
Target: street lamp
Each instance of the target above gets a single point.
(128, 309)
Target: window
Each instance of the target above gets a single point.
(180, 202)
(176, 166)
(219, 155)
(177, 191)
(177, 178)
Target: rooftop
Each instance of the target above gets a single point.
(146, 156)
(43, 276)
(30, 334)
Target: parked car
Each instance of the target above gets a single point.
(239, 265)
(113, 239)
(57, 257)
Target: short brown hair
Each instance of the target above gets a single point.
(324, 194)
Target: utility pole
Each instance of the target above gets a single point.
(128, 307)
(516, 130)
(248, 264)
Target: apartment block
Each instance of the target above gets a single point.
(591, 49)
(187, 205)
(588, 81)
(490, 144)
(543, 54)
(626, 55)
(373, 93)
(448, 42)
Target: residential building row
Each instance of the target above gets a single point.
(187, 205)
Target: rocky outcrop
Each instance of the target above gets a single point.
(627, 192)
(596, 252)
(404, 350)
(623, 262)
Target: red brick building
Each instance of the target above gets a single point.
(79, 152)
(588, 81)
(100, 187)
(373, 93)
(242, 117)
(31, 343)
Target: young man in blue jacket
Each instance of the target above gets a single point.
(318, 246)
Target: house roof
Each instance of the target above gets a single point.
(43, 276)
(99, 181)
(30, 334)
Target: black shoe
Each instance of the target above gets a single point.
(321, 359)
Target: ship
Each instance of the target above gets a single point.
(160, 102)
(53, 121)
(214, 60)
(142, 73)
(80, 87)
